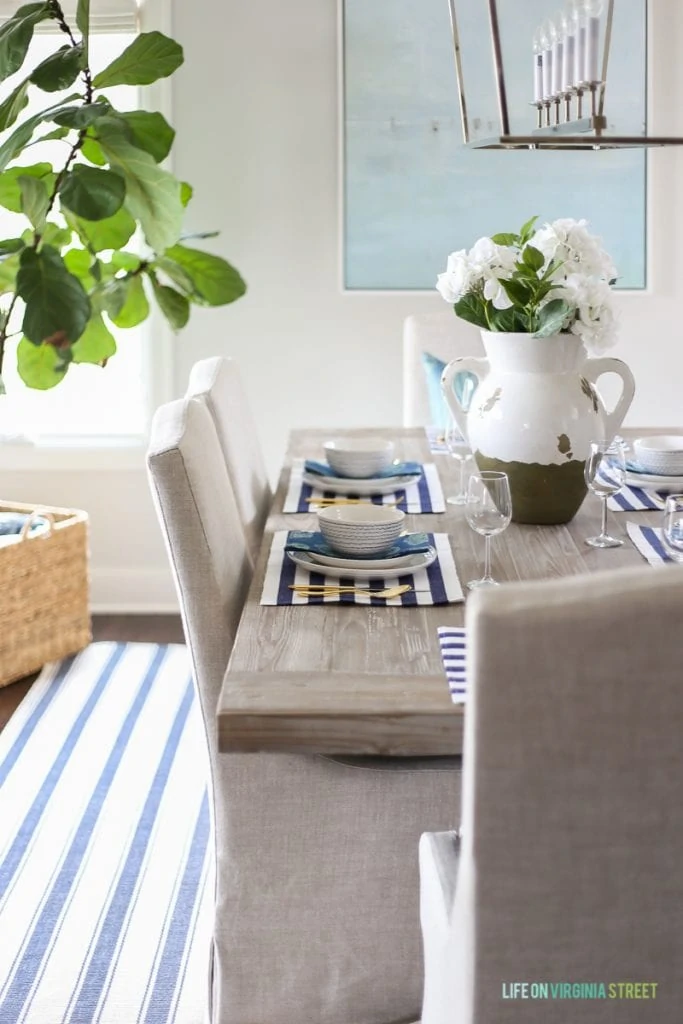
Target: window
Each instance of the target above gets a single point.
(91, 403)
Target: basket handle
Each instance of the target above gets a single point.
(31, 520)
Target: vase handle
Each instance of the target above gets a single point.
(465, 364)
(594, 368)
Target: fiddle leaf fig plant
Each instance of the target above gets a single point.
(103, 237)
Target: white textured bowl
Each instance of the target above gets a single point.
(359, 457)
(662, 454)
(360, 530)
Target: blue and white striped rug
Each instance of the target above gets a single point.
(106, 866)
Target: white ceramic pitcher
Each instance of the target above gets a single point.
(533, 414)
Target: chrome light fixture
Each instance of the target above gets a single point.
(568, 83)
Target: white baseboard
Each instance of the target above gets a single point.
(129, 591)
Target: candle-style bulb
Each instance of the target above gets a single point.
(548, 37)
(558, 54)
(592, 9)
(538, 49)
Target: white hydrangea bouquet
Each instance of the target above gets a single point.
(545, 281)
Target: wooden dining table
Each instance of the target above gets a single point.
(355, 680)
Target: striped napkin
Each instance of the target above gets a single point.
(437, 584)
(425, 495)
(453, 643)
(650, 543)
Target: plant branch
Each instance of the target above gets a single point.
(3, 331)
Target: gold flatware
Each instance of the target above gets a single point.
(350, 501)
(323, 590)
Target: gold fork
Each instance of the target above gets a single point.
(323, 590)
(349, 501)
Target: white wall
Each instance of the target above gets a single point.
(255, 108)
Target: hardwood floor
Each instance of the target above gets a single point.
(158, 629)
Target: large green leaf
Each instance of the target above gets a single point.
(11, 245)
(14, 144)
(10, 193)
(81, 117)
(128, 261)
(172, 304)
(110, 233)
(59, 70)
(110, 297)
(56, 302)
(149, 131)
(149, 57)
(16, 34)
(92, 193)
(95, 345)
(56, 236)
(152, 194)
(40, 366)
(35, 199)
(136, 307)
(215, 281)
(79, 263)
(9, 269)
(92, 151)
(13, 105)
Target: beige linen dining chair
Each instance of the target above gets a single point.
(217, 383)
(442, 336)
(570, 865)
(316, 905)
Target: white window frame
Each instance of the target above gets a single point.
(116, 453)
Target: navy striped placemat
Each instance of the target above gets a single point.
(425, 495)
(437, 584)
(453, 643)
(650, 543)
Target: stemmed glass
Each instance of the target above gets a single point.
(489, 510)
(604, 473)
(459, 449)
(673, 526)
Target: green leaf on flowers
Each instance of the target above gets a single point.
(91, 192)
(152, 194)
(509, 320)
(518, 291)
(40, 366)
(186, 192)
(215, 281)
(149, 131)
(59, 70)
(533, 257)
(505, 238)
(10, 191)
(527, 230)
(16, 34)
(83, 116)
(95, 345)
(136, 307)
(92, 151)
(172, 304)
(471, 308)
(11, 245)
(109, 233)
(35, 199)
(13, 105)
(551, 318)
(149, 57)
(57, 306)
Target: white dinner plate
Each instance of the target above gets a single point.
(339, 562)
(369, 485)
(650, 480)
(414, 563)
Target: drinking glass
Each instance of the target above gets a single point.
(459, 449)
(604, 473)
(489, 510)
(672, 530)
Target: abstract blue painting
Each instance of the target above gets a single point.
(413, 192)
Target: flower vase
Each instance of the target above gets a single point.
(533, 414)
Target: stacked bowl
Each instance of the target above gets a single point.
(360, 457)
(360, 530)
(661, 455)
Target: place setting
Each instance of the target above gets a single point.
(364, 470)
(360, 554)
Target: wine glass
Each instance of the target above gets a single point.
(604, 473)
(489, 510)
(672, 530)
(459, 449)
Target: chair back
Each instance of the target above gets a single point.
(442, 335)
(571, 866)
(204, 539)
(217, 383)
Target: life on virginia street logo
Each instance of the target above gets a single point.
(579, 989)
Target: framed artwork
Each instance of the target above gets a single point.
(412, 192)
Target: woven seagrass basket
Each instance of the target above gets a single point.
(44, 606)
